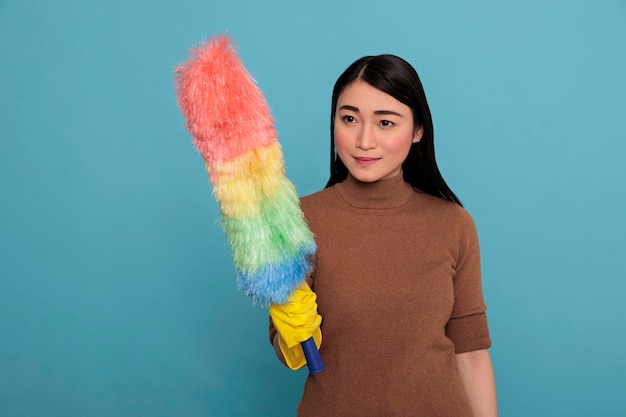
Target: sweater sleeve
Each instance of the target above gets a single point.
(467, 326)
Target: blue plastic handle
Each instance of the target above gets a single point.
(313, 358)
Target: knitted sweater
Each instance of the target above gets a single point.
(398, 287)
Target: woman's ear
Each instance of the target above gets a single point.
(419, 132)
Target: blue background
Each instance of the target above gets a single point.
(117, 294)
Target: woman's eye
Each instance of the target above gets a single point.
(386, 123)
(348, 119)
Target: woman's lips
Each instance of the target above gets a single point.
(365, 160)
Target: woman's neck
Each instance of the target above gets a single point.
(382, 194)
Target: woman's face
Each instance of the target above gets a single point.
(373, 132)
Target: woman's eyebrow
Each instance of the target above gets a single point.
(377, 112)
(387, 112)
(350, 108)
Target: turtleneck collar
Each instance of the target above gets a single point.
(382, 194)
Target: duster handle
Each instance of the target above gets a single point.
(312, 355)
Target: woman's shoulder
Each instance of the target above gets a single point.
(318, 199)
(443, 208)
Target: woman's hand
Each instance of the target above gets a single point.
(295, 322)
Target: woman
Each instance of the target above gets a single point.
(397, 279)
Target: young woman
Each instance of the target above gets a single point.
(397, 278)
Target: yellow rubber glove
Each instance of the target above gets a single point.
(297, 321)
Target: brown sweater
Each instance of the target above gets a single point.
(399, 291)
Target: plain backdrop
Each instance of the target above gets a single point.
(117, 291)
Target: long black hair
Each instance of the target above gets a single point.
(396, 77)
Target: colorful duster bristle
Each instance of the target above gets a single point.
(233, 129)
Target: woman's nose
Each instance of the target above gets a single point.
(366, 139)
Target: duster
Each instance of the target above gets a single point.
(232, 127)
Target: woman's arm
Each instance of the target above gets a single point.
(478, 380)
(279, 353)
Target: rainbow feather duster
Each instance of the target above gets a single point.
(233, 129)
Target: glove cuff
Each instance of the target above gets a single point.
(294, 356)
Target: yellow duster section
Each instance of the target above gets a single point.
(241, 184)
